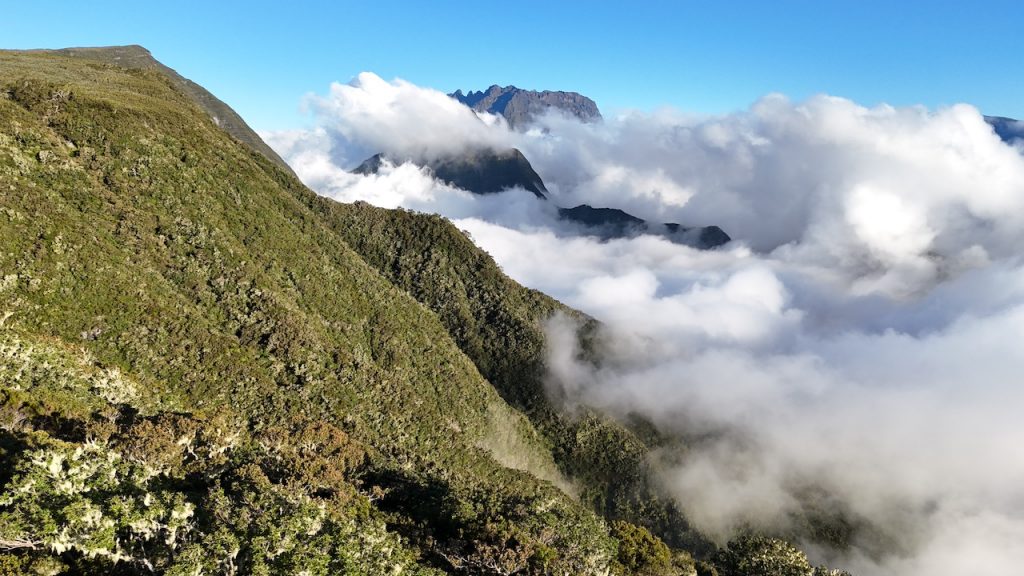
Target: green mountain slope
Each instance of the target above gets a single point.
(141, 240)
(499, 325)
(135, 56)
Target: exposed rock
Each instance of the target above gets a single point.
(1009, 129)
(520, 107)
(481, 172)
(371, 165)
(609, 223)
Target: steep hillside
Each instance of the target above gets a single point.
(499, 325)
(157, 275)
(135, 56)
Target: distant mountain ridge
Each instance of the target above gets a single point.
(520, 107)
(489, 171)
(611, 223)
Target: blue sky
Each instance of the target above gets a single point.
(697, 55)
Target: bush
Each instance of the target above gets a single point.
(761, 556)
(640, 552)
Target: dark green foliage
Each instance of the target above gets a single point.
(226, 507)
(640, 552)
(494, 321)
(705, 568)
(499, 325)
(517, 528)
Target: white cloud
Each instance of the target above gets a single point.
(402, 119)
(862, 334)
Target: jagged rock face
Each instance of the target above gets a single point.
(704, 237)
(371, 165)
(1010, 130)
(613, 222)
(520, 107)
(488, 171)
(610, 223)
(480, 172)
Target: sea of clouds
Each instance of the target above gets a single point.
(862, 334)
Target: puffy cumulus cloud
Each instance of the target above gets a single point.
(313, 155)
(889, 199)
(910, 434)
(859, 342)
(372, 115)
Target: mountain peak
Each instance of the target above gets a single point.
(520, 107)
(1009, 130)
(611, 223)
(484, 171)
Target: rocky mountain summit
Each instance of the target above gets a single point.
(1009, 130)
(480, 171)
(520, 107)
(611, 223)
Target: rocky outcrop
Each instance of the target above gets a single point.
(481, 172)
(520, 107)
(610, 223)
(1010, 130)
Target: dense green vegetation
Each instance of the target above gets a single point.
(205, 368)
(499, 325)
(137, 230)
(135, 56)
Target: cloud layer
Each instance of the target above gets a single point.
(862, 334)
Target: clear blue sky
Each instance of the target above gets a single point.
(698, 55)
